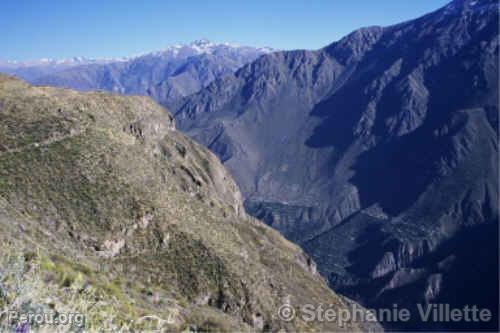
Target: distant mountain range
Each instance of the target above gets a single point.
(165, 75)
(378, 154)
(32, 70)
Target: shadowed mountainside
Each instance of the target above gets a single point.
(378, 154)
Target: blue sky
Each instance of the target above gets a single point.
(31, 29)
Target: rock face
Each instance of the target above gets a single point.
(112, 213)
(166, 75)
(378, 154)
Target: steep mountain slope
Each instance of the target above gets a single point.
(166, 76)
(106, 210)
(377, 154)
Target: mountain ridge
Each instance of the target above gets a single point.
(373, 137)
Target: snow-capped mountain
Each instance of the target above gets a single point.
(204, 46)
(166, 75)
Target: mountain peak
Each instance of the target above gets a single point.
(205, 46)
(202, 42)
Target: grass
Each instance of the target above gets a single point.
(74, 198)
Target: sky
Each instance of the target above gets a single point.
(33, 29)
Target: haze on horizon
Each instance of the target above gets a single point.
(95, 29)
